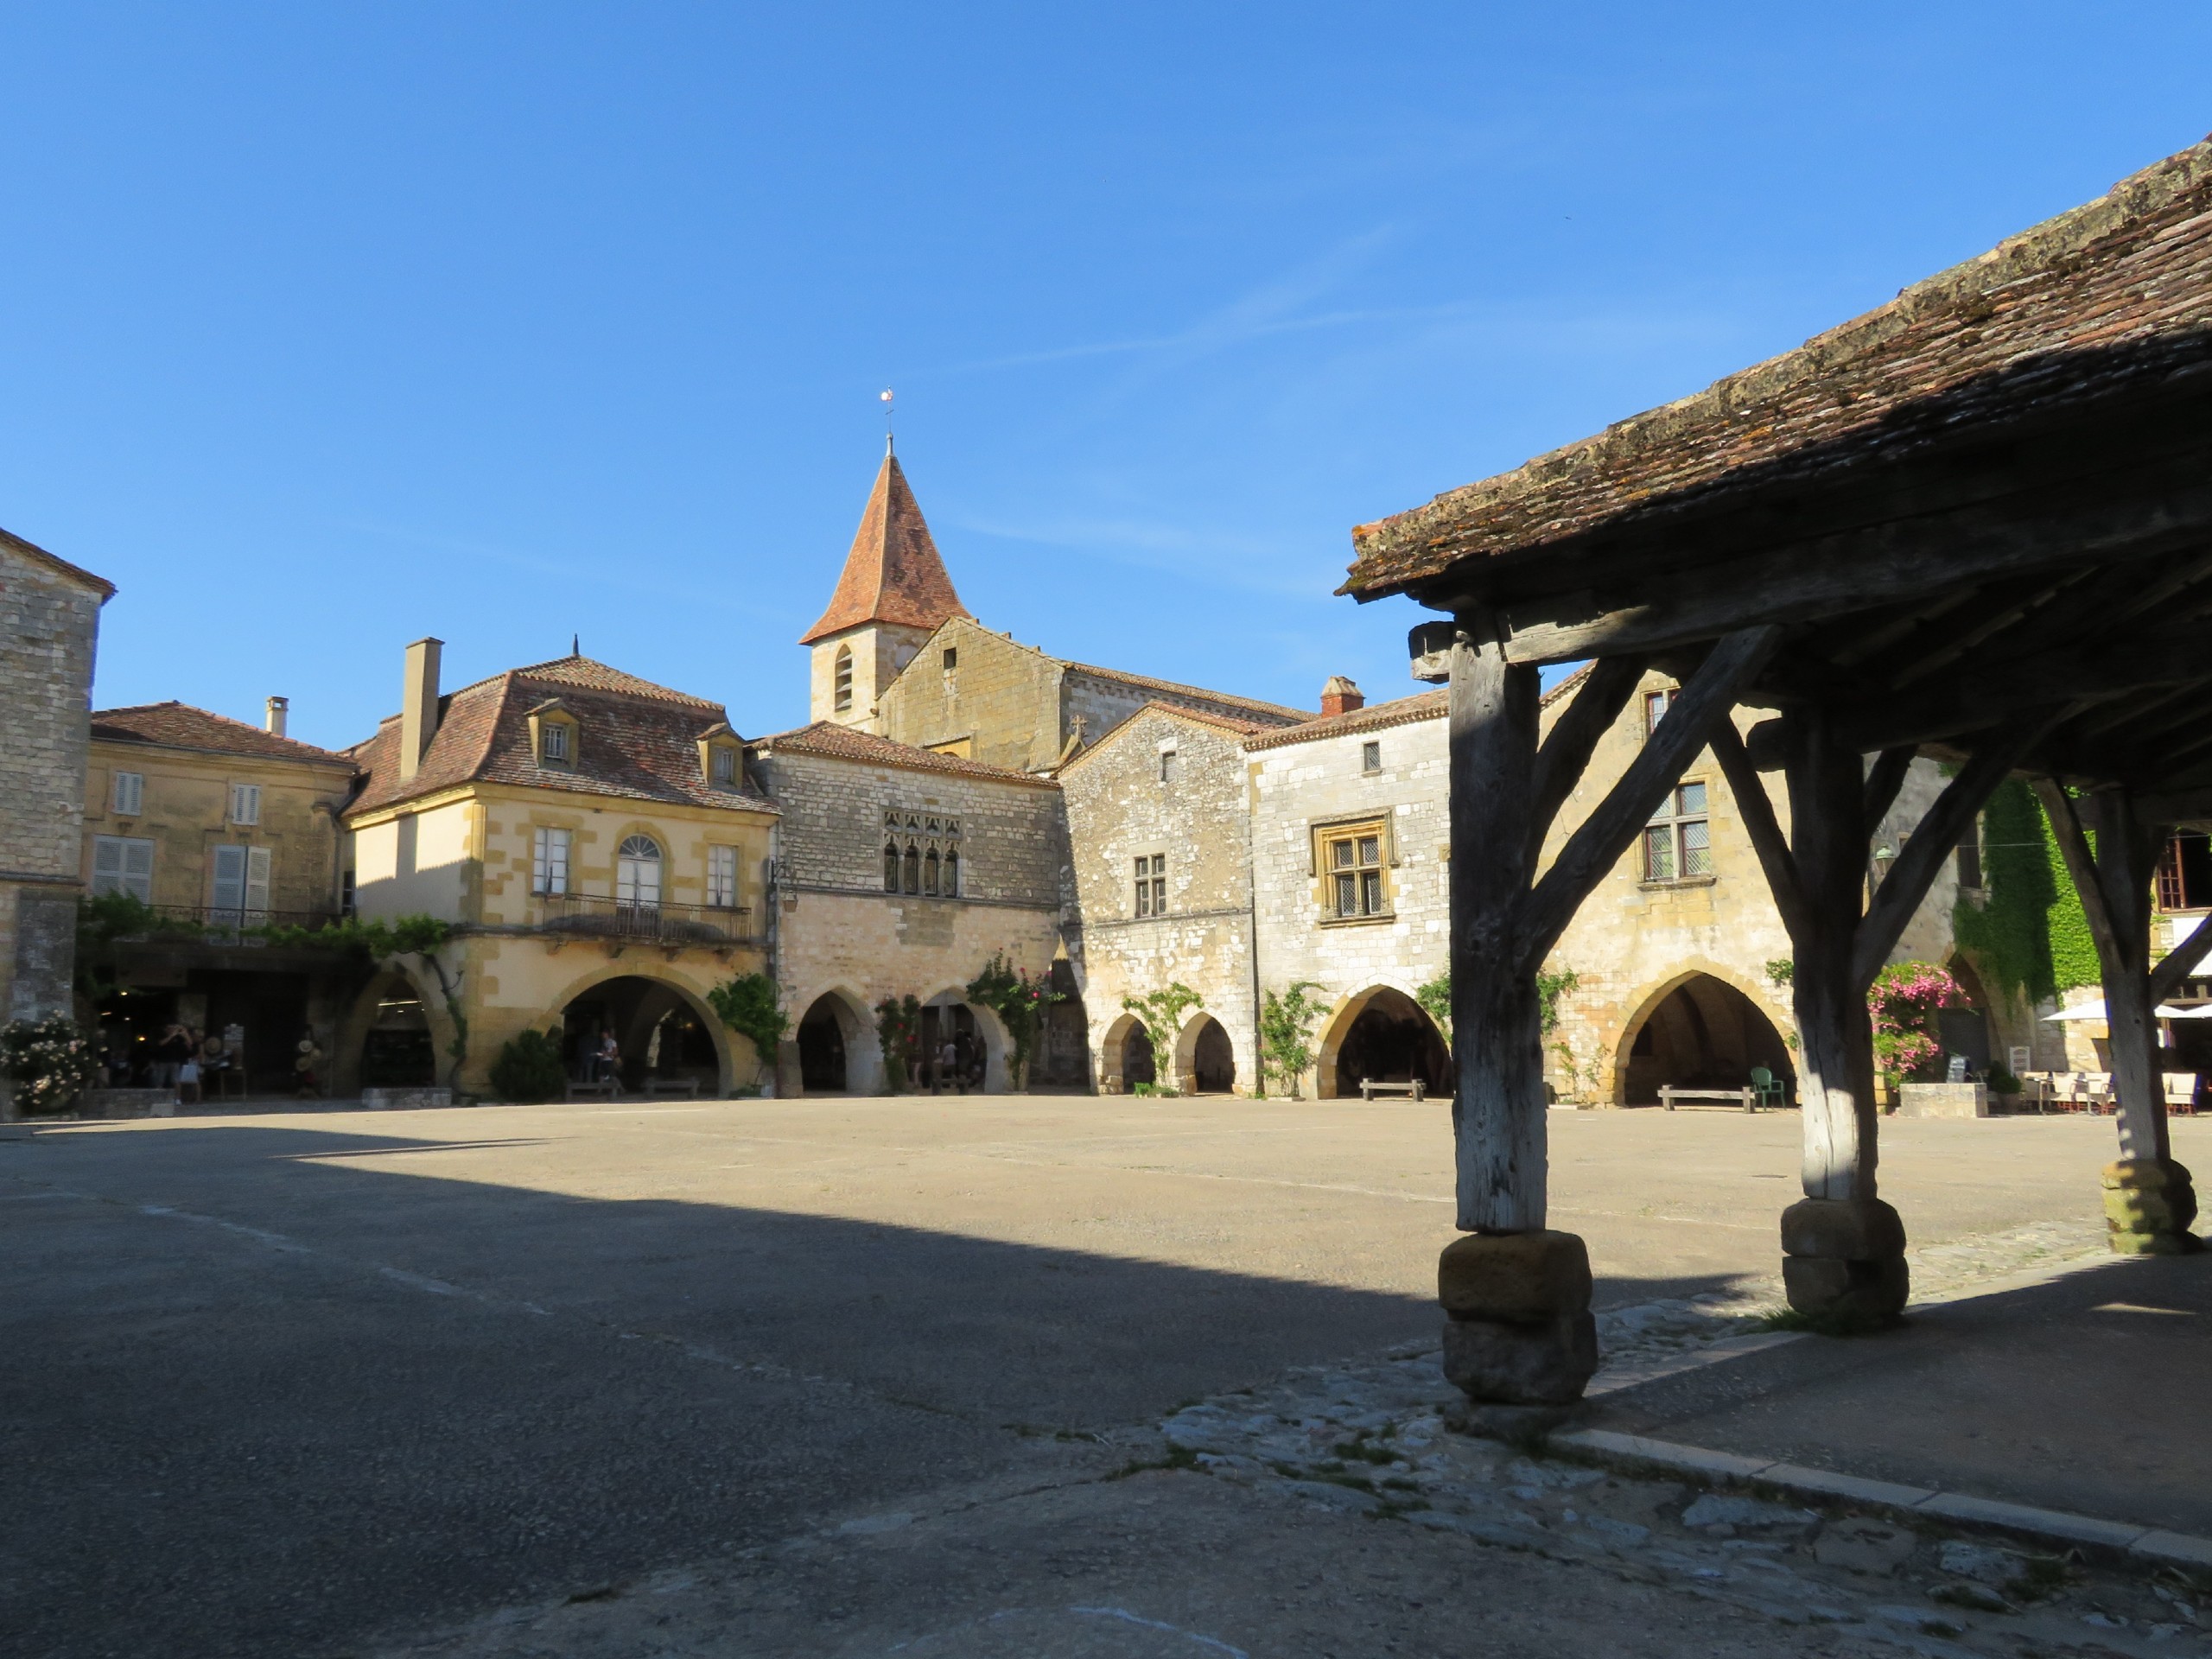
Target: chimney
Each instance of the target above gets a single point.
(418, 705)
(272, 720)
(1341, 696)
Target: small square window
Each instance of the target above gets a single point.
(245, 802)
(555, 740)
(129, 793)
(951, 658)
(1370, 757)
(1167, 765)
(1152, 884)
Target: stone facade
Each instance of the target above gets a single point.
(1165, 787)
(1013, 705)
(50, 624)
(844, 941)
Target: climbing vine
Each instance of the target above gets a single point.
(1286, 1034)
(749, 1006)
(1161, 1013)
(1435, 999)
(1020, 1002)
(2029, 937)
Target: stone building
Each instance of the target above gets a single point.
(1157, 814)
(222, 828)
(49, 623)
(595, 842)
(900, 872)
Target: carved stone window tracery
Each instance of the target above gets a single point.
(921, 852)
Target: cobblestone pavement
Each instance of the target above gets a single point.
(1328, 1460)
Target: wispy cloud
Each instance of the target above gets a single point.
(1231, 559)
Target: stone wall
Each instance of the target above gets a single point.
(184, 810)
(999, 703)
(48, 624)
(1119, 810)
(878, 651)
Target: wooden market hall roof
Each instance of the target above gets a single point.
(1993, 492)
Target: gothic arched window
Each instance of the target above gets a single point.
(929, 873)
(890, 866)
(913, 871)
(951, 877)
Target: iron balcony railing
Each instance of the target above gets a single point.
(585, 916)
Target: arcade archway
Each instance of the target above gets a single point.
(1381, 1035)
(659, 1032)
(1212, 1064)
(1699, 1032)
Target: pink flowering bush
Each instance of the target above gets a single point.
(1904, 1001)
(1020, 1002)
(48, 1062)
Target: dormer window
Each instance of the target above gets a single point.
(720, 765)
(725, 766)
(554, 735)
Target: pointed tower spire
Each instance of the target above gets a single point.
(893, 573)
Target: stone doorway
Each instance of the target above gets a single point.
(821, 1049)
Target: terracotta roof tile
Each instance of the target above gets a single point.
(38, 555)
(893, 573)
(638, 740)
(842, 743)
(1400, 711)
(181, 726)
(2113, 293)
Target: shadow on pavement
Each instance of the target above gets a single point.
(259, 1399)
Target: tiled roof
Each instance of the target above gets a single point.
(1230, 723)
(38, 555)
(839, 742)
(2115, 293)
(1400, 711)
(893, 573)
(637, 740)
(1267, 713)
(181, 726)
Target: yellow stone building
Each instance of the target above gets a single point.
(594, 841)
(223, 828)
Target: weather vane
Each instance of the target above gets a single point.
(886, 420)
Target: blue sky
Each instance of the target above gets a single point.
(323, 327)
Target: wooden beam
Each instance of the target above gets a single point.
(1831, 575)
(2178, 963)
(1698, 710)
(1757, 811)
(1933, 841)
(1566, 749)
(1884, 780)
(1498, 1110)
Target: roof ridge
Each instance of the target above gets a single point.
(61, 565)
(1179, 686)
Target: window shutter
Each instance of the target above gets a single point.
(258, 861)
(107, 865)
(230, 878)
(138, 869)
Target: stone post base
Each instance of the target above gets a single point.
(1518, 1329)
(2149, 1205)
(1845, 1258)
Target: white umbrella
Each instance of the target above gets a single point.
(2096, 1011)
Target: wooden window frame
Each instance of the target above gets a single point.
(1370, 897)
(1150, 901)
(546, 840)
(1671, 827)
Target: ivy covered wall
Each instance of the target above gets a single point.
(2031, 936)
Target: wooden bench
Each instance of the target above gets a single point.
(686, 1087)
(1370, 1087)
(603, 1088)
(1747, 1098)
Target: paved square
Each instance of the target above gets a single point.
(279, 1381)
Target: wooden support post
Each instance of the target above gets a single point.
(1520, 1331)
(1843, 1248)
(2149, 1200)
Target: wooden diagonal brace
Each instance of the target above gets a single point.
(1765, 830)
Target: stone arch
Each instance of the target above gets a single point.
(347, 1043)
(1113, 1077)
(1713, 1023)
(989, 1029)
(736, 1062)
(1970, 1031)
(856, 1036)
(1345, 1039)
(1205, 1059)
